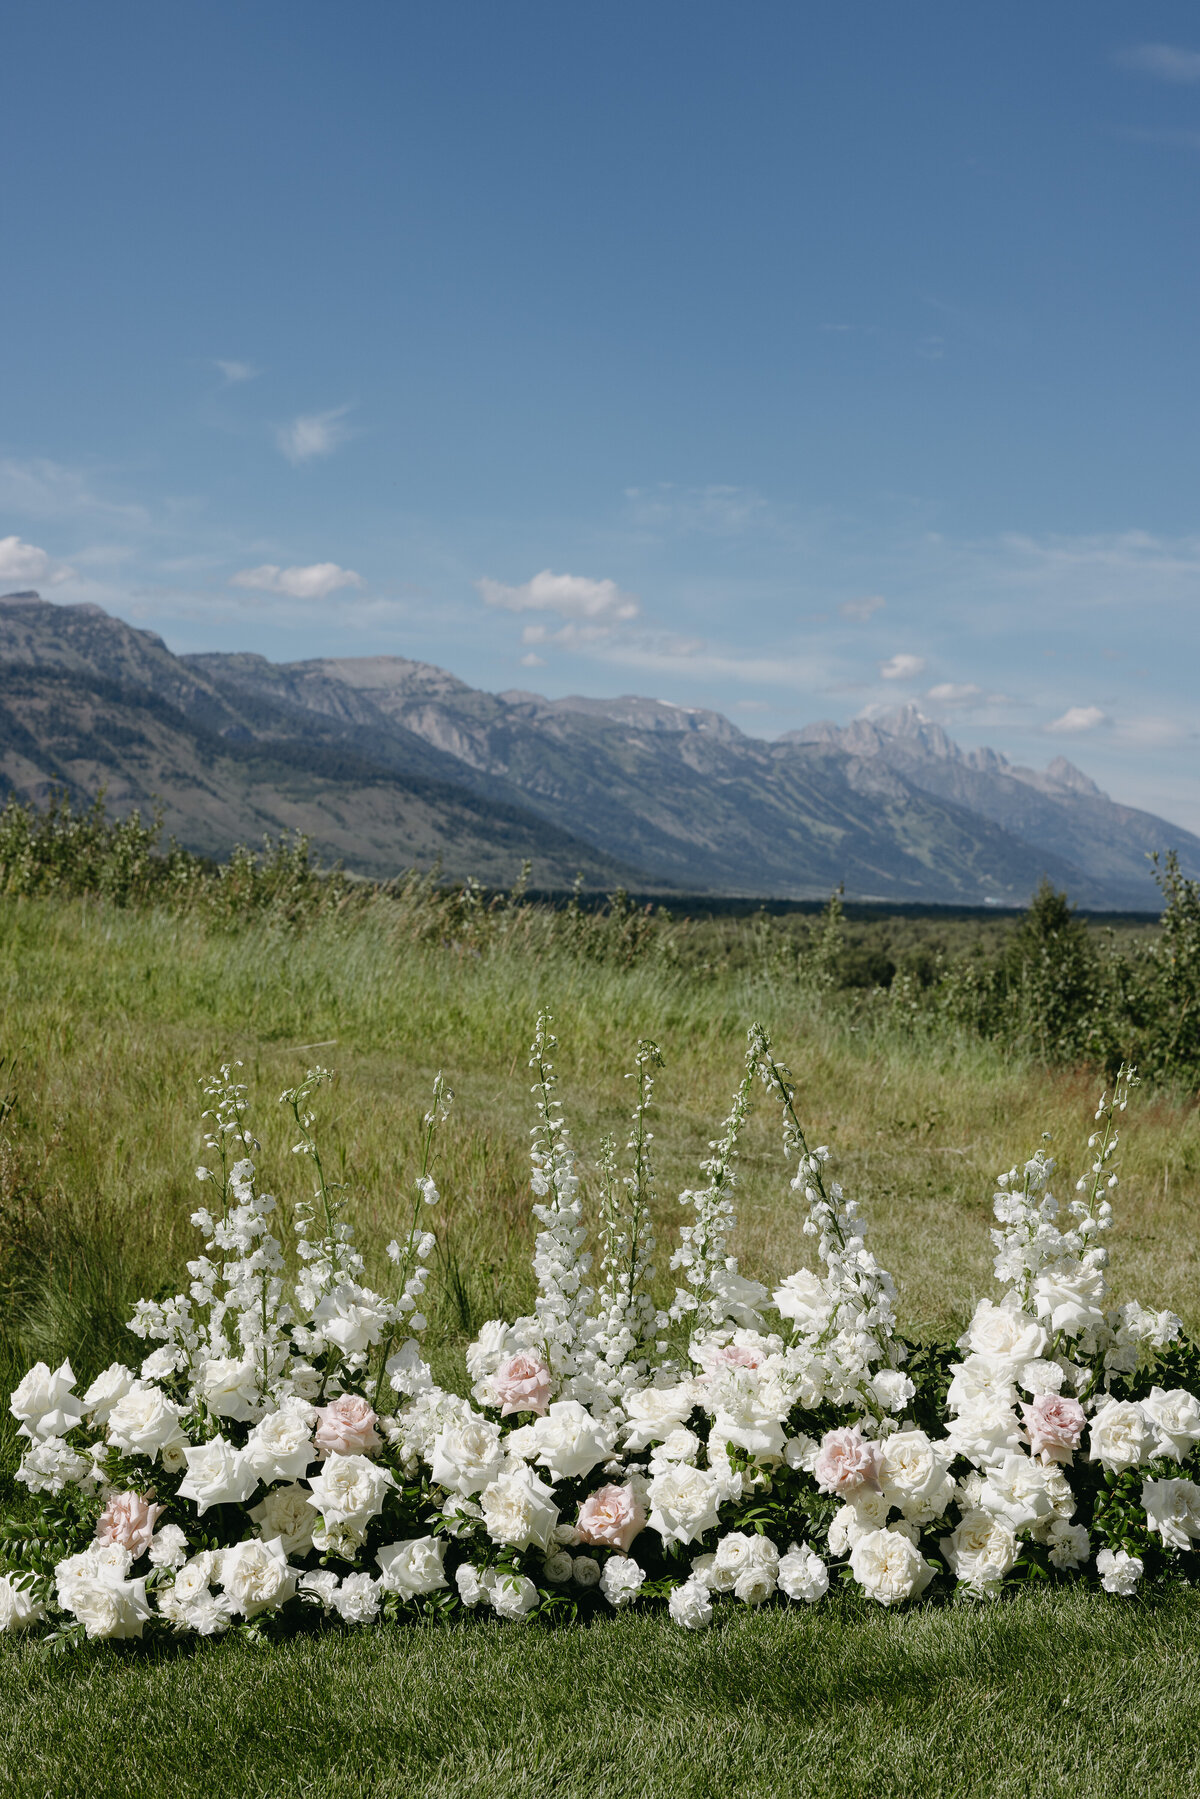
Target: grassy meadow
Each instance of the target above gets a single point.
(109, 1018)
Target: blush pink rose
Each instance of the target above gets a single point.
(1054, 1426)
(522, 1384)
(611, 1518)
(128, 1519)
(846, 1462)
(346, 1427)
(730, 1355)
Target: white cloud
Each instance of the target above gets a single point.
(861, 610)
(574, 597)
(954, 693)
(40, 488)
(715, 509)
(23, 562)
(532, 661)
(315, 582)
(313, 434)
(1165, 61)
(1078, 718)
(902, 667)
(236, 371)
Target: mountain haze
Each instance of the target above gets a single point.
(384, 762)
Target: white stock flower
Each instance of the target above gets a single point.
(1120, 1435)
(467, 1454)
(50, 1464)
(570, 1442)
(144, 1421)
(280, 1446)
(217, 1474)
(105, 1391)
(1069, 1545)
(892, 1388)
(18, 1607)
(914, 1474)
(1175, 1416)
(683, 1503)
(803, 1575)
(1172, 1510)
(256, 1576)
(690, 1605)
(621, 1581)
(349, 1490)
(168, 1547)
(980, 1550)
(1119, 1573)
(44, 1402)
(739, 1553)
(889, 1568)
(357, 1599)
(414, 1567)
(285, 1513)
(323, 1584)
(519, 1509)
(512, 1595)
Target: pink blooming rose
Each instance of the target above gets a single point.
(522, 1384)
(1054, 1426)
(731, 1355)
(128, 1519)
(611, 1518)
(346, 1427)
(846, 1462)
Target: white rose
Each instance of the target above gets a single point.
(1004, 1334)
(467, 1455)
(357, 1599)
(1017, 1491)
(352, 1318)
(585, 1571)
(192, 1580)
(681, 1445)
(18, 1607)
(228, 1388)
(803, 1575)
(211, 1614)
(690, 1605)
(683, 1503)
(914, 1474)
(892, 1389)
(413, 1568)
(1172, 1509)
(557, 1567)
(144, 1421)
(621, 1581)
(256, 1576)
(280, 1447)
(656, 1411)
(106, 1389)
(285, 1513)
(984, 1431)
(803, 1299)
(1071, 1300)
(866, 1512)
(109, 1607)
(1176, 1418)
(474, 1586)
(44, 1402)
(570, 1442)
(980, 1378)
(737, 1553)
(1119, 1573)
(889, 1568)
(980, 1551)
(512, 1595)
(217, 1474)
(350, 1489)
(1120, 1436)
(519, 1509)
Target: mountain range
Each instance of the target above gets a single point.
(385, 763)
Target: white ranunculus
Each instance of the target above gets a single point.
(108, 1607)
(280, 1446)
(1071, 1299)
(656, 1411)
(1017, 1491)
(512, 1595)
(585, 1571)
(804, 1299)
(892, 1388)
(1119, 1573)
(803, 1575)
(229, 1388)
(1120, 1435)
(44, 1402)
(621, 1581)
(980, 1550)
(357, 1599)
(350, 1489)
(914, 1474)
(474, 1585)
(256, 1576)
(467, 1454)
(217, 1474)
(519, 1509)
(1172, 1509)
(144, 1421)
(889, 1568)
(18, 1607)
(413, 1568)
(105, 1391)
(683, 1503)
(1004, 1334)
(690, 1605)
(285, 1513)
(557, 1567)
(570, 1442)
(352, 1318)
(984, 1431)
(1175, 1417)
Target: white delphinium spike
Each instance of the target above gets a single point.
(848, 1319)
(716, 1294)
(628, 1321)
(411, 1254)
(560, 1263)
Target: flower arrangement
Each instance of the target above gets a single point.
(283, 1451)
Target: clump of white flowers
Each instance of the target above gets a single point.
(285, 1447)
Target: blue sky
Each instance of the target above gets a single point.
(797, 360)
